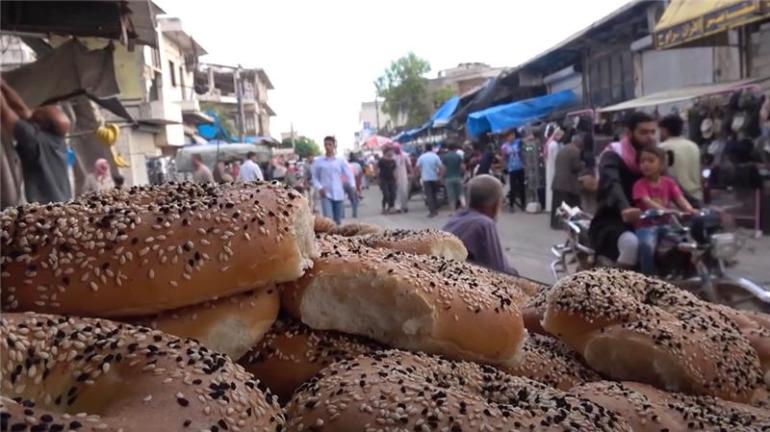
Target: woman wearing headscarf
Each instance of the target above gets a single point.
(100, 180)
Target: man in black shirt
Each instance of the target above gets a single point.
(386, 167)
(39, 137)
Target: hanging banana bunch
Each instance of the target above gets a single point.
(108, 135)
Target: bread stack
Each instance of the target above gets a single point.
(353, 328)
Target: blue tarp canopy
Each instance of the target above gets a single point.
(441, 117)
(503, 117)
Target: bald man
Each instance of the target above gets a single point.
(476, 226)
(39, 137)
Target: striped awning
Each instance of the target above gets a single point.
(685, 21)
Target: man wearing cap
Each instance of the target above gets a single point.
(683, 155)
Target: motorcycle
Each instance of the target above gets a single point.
(693, 256)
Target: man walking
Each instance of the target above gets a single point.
(512, 152)
(327, 175)
(250, 170)
(453, 176)
(565, 184)
(386, 170)
(403, 171)
(476, 226)
(683, 155)
(202, 173)
(430, 167)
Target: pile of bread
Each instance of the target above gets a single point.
(232, 308)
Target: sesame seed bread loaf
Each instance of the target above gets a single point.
(144, 250)
(230, 325)
(413, 302)
(322, 224)
(122, 377)
(631, 327)
(291, 353)
(551, 362)
(402, 391)
(420, 242)
(355, 229)
(648, 409)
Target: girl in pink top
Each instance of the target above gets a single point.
(654, 191)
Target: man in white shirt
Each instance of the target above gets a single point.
(250, 170)
(684, 156)
(430, 168)
(327, 175)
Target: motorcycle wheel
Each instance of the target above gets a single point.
(730, 292)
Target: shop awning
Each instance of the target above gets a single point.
(503, 117)
(681, 94)
(441, 117)
(685, 21)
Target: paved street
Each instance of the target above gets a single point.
(527, 239)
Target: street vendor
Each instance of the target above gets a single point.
(39, 142)
(476, 226)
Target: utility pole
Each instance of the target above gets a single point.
(293, 143)
(377, 114)
(239, 98)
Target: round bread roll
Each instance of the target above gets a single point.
(230, 325)
(144, 250)
(553, 363)
(355, 229)
(413, 302)
(422, 242)
(402, 391)
(323, 224)
(648, 409)
(291, 353)
(132, 378)
(755, 327)
(632, 327)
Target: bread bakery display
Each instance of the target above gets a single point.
(632, 327)
(126, 310)
(408, 301)
(125, 377)
(145, 250)
(397, 390)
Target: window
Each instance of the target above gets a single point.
(172, 73)
(182, 83)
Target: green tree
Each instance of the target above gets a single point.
(303, 146)
(441, 95)
(404, 88)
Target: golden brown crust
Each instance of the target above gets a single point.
(148, 249)
(553, 363)
(291, 353)
(648, 409)
(231, 325)
(415, 302)
(631, 327)
(355, 229)
(755, 327)
(322, 224)
(397, 390)
(134, 378)
(420, 242)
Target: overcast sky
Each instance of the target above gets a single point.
(323, 56)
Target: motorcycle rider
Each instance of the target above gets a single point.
(611, 231)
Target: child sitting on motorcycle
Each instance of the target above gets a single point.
(654, 191)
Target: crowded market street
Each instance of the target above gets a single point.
(527, 239)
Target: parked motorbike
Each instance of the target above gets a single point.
(693, 255)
